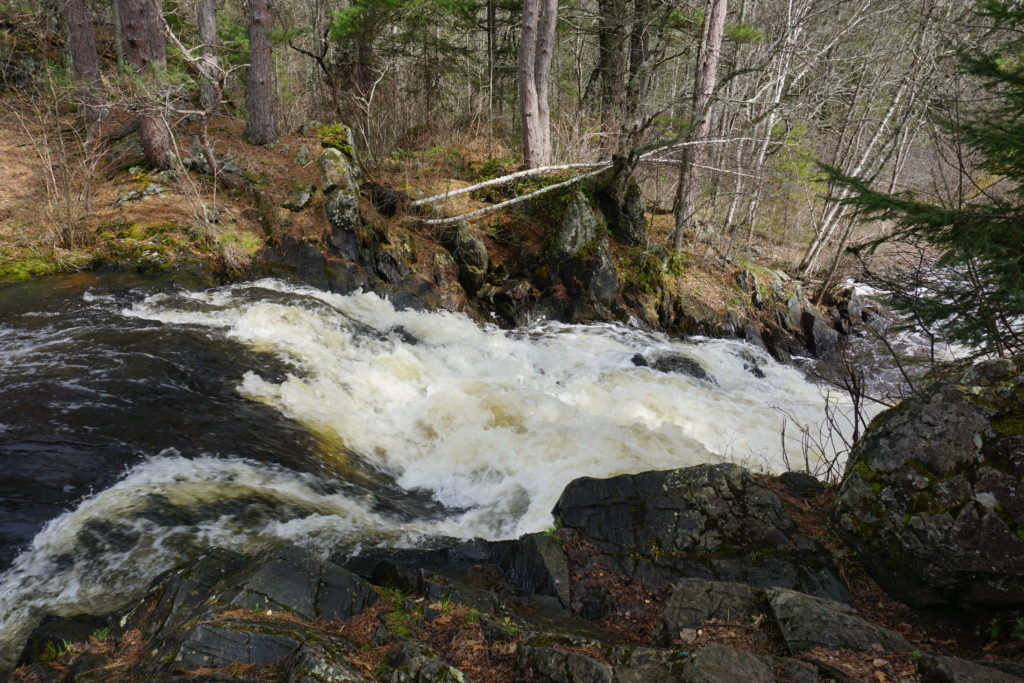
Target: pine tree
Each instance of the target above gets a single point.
(977, 296)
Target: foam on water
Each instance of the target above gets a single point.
(492, 424)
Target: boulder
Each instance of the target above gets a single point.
(340, 182)
(932, 497)
(940, 669)
(625, 218)
(533, 566)
(565, 666)
(710, 521)
(470, 253)
(717, 663)
(808, 622)
(577, 231)
(694, 601)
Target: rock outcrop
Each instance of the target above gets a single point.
(509, 610)
(932, 498)
(709, 521)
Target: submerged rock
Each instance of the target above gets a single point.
(709, 521)
(932, 498)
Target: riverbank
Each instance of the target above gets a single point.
(305, 209)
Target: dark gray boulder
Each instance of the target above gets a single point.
(577, 231)
(470, 253)
(533, 566)
(717, 663)
(940, 669)
(625, 218)
(694, 601)
(565, 666)
(932, 497)
(808, 622)
(709, 521)
(295, 580)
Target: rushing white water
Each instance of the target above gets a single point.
(490, 424)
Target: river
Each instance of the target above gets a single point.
(141, 424)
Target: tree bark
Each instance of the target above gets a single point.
(611, 59)
(693, 155)
(142, 30)
(260, 129)
(85, 61)
(542, 69)
(206, 21)
(528, 84)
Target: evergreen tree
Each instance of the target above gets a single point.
(977, 296)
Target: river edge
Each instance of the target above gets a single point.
(581, 602)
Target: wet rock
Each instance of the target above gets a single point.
(717, 663)
(932, 499)
(626, 218)
(939, 669)
(694, 601)
(513, 300)
(297, 581)
(294, 260)
(416, 294)
(709, 521)
(446, 277)
(219, 644)
(592, 281)
(470, 252)
(533, 565)
(821, 336)
(564, 666)
(801, 484)
(808, 622)
(680, 364)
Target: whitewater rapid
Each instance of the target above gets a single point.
(425, 424)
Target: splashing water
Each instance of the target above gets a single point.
(417, 424)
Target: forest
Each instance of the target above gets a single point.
(723, 112)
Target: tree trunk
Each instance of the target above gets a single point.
(206, 21)
(542, 71)
(142, 30)
(538, 37)
(611, 59)
(259, 101)
(693, 155)
(84, 60)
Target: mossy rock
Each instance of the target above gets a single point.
(932, 498)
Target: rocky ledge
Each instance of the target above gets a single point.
(708, 573)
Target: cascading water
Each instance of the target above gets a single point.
(146, 429)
